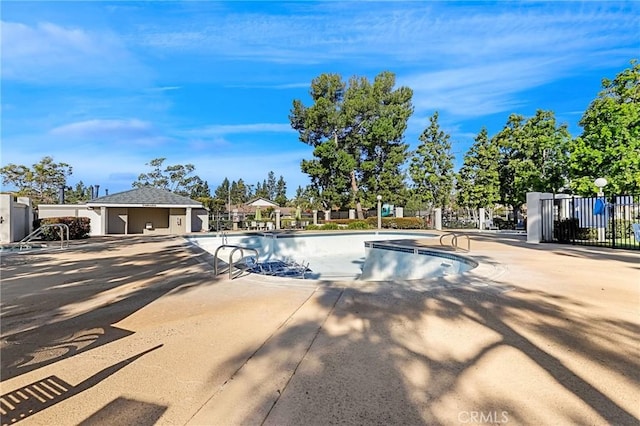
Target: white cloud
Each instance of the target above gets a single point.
(113, 129)
(225, 129)
(47, 53)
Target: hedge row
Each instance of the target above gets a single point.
(79, 227)
(371, 223)
(397, 222)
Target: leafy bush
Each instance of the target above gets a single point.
(397, 222)
(79, 227)
(503, 223)
(330, 226)
(619, 229)
(313, 227)
(566, 229)
(358, 224)
(587, 234)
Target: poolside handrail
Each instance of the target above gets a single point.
(231, 264)
(454, 241)
(23, 243)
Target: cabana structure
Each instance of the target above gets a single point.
(138, 211)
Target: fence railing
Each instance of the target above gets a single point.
(611, 221)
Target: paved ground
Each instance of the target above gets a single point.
(138, 331)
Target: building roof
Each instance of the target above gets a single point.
(261, 202)
(145, 197)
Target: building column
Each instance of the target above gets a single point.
(103, 220)
(277, 219)
(537, 216)
(187, 223)
(438, 218)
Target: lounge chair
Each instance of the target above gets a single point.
(636, 231)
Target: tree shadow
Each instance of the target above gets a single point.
(578, 251)
(380, 356)
(28, 400)
(58, 305)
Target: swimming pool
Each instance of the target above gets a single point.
(368, 256)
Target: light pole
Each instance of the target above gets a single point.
(379, 198)
(600, 183)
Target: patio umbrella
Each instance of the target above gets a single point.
(298, 213)
(258, 214)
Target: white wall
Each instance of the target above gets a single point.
(72, 210)
(199, 220)
(17, 218)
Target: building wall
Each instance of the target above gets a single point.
(157, 217)
(16, 218)
(199, 220)
(72, 210)
(132, 220)
(118, 220)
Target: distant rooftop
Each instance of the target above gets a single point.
(145, 196)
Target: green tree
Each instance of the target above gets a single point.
(270, 186)
(533, 156)
(239, 192)
(281, 192)
(222, 192)
(609, 145)
(41, 182)
(200, 190)
(431, 166)
(478, 182)
(261, 190)
(357, 134)
(176, 178)
(78, 194)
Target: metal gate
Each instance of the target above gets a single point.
(594, 221)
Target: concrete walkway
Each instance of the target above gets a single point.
(138, 331)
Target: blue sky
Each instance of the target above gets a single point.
(108, 86)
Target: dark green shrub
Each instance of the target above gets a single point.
(566, 230)
(313, 227)
(587, 234)
(79, 227)
(397, 222)
(503, 223)
(358, 224)
(619, 229)
(330, 226)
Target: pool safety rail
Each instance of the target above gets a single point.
(231, 263)
(26, 242)
(454, 241)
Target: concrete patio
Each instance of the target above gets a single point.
(138, 331)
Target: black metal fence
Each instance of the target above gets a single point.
(595, 221)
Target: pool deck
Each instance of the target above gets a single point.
(138, 331)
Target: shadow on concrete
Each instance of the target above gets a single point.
(361, 375)
(56, 306)
(581, 251)
(127, 412)
(28, 400)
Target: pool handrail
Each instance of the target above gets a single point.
(231, 264)
(454, 241)
(24, 243)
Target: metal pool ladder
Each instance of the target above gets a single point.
(231, 263)
(62, 228)
(454, 241)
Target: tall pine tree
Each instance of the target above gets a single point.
(431, 166)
